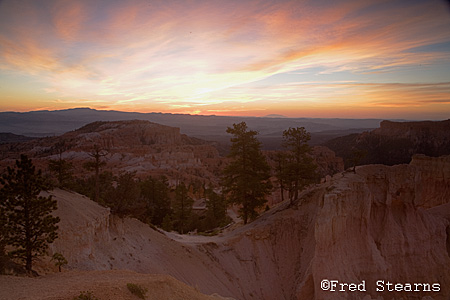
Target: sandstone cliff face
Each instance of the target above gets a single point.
(377, 225)
(395, 142)
(417, 131)
(380, 223)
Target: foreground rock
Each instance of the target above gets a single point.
(104, 285)
(380, 223)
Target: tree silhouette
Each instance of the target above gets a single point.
(124, 196)
(155, 193)
(182, 208)
(216, 215)
(246, 177)
(61, 167)
(97, 154)
(300, 169)
(28, 224)
(281, 160)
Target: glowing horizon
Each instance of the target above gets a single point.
(348, 59)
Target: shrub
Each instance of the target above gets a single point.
(60, 260)
(137, 290)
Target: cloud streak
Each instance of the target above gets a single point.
(172, 56)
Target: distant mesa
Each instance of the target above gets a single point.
(275, 116)
(395, 142)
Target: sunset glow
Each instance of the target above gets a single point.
(356, 59)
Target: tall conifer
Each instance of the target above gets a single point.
(28, 224)
(246, 177)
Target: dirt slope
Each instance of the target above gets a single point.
(105, 285)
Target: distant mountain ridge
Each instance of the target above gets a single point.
(48, 123)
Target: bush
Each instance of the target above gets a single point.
(137, 290)
(60, 260)
(86, 296)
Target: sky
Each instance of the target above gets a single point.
(299, 58)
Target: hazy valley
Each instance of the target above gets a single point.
(379, 222)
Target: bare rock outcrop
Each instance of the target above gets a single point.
(132, 146)
(394, 142)
(417, 131)
(380, 223)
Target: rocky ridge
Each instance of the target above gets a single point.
(143, 147)
(132, 146)
(380, 223)
(394, 142)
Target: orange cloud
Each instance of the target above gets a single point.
(202, 55)
(68, 19)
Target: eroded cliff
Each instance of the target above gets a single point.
(380, 223)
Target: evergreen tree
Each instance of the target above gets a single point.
(300, 168)
(86, 186)
(125, 195)
(216, 205)
(182, 208)
(281, 160)
(246, 177)
(28, 224)
(61, 167)
(97, 154)
(155, 193)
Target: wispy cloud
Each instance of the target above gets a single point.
(202, 55)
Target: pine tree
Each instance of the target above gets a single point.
(124, 197)
(155, 193)
(216, 214)
(246, 177)
(300, 168)
(29, 226)
(61, 167)
(97, 154)
(182, 208)
(281, 159)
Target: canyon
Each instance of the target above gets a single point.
(381, 222)
(360, 230)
